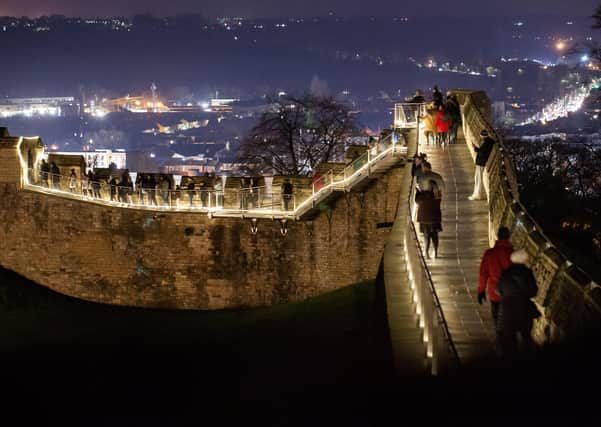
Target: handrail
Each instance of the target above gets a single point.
(219, 202)
(424, 307)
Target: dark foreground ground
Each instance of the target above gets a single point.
(325, 361)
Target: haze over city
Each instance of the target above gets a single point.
(285, 8)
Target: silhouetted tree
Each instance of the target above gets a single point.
(295, 134)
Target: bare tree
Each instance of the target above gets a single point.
(295, 134)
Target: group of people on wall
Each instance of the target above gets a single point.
(441, 116)
(152, 189)
(503, 276)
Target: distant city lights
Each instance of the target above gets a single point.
(561, 107)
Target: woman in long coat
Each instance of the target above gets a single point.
(429, 216)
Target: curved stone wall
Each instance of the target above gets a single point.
(569, 300)
(189, 260)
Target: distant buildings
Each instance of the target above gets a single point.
(29, 107)
(99, 159)
(222, 105)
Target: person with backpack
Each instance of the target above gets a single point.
(452, 107)
(516, 286)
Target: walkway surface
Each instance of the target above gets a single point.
(462, 243)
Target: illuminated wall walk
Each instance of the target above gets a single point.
(189, 260)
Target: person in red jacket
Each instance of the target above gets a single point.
(494, 262)
(443, 123)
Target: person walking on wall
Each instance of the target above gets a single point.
(454, 110)
(56, 176)
(430, 129)
(516, 286)
(443, 124)
(191, 191)
(437, 97)
(218, 188)
(113, 188)
(429, 215)
(482, 154)
(494, 262)
(418, 98)
(427, 176)
(416, 166)
(72, 181)
(151, 185)
(95, 183)
(85, 182)
(44, 171)
(287, 191)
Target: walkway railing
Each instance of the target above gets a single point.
(246, 199)
(440, 349)
(249, 202)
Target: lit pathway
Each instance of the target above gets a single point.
(462, 242)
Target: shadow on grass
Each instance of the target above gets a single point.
(324, 361)
(53, 344)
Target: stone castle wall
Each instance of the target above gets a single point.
(570, 302)
(188, 260)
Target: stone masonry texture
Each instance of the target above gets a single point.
(188, 260)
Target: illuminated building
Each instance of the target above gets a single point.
(222, 104)
(32, 107)
(98, 159)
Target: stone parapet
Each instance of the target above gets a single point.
(568, 298)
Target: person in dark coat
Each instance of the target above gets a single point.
(44, 171)
(482, 155)
(516, 286)
(151, 185)
(418, 98)
(416, 166)
(287, 193)
(113, 188)
(452, 107)
(56, 176)
(191, 191)
(429, 215)
(437, 97)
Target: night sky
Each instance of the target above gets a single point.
(274, 8)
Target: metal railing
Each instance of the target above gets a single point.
(440, 348)
(407, 114)
(247, 201)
